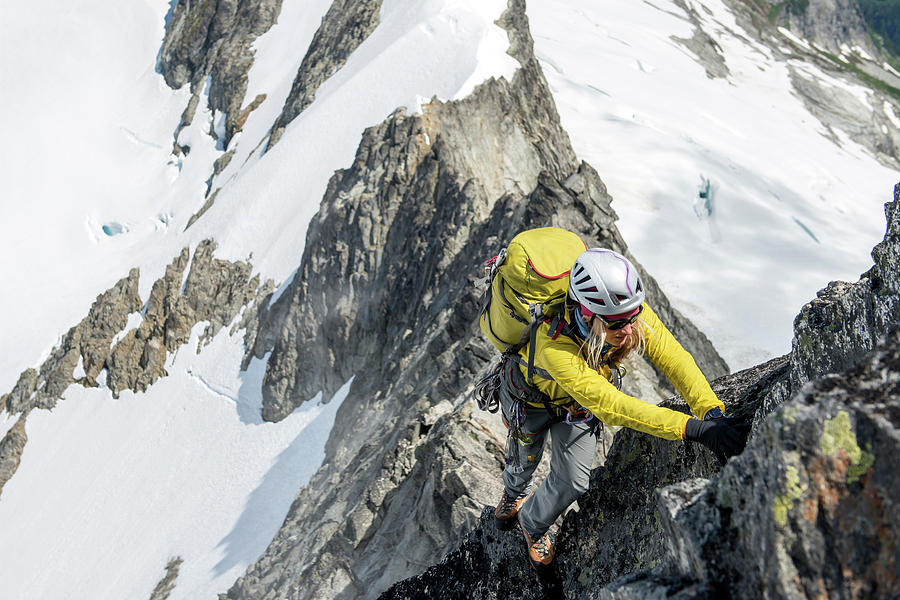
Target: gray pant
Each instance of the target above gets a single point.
(572, 452)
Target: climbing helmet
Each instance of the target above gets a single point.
(605, 283)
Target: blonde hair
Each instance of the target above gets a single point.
(592, 348)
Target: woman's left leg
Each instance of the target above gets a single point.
(573, 448)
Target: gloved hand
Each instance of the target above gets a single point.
(724, 436)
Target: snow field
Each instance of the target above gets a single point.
(791, 210)
(419, 50)
(109, 490)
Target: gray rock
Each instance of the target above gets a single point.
(839, 109)
(344, 27)
(672, 502)
(845, 322)
(213, 39)
(21, 393)
(11, 447)
(165, 586)
(210, 200)
(708, 52)
(829, 24)
(107, 317)
(89, 340)
(215, 291)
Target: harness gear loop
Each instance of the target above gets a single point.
(487, 389)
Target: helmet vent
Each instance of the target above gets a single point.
(599, 301)
(639, 287)
(583, 279)
(620, 297)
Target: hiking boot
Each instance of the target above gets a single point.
(507, 511)
(540, 551)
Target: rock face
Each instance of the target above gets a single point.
(211, 39)
(810, 508)
(806, 511)
(844, 323)
(829, 24)
(214, 291)
(344, 27)
(11, 447)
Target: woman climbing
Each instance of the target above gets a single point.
(573, 363)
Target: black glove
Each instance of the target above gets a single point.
(724, 436)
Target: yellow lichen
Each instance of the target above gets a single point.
(792, 492)
(789, 413)
(838, 435)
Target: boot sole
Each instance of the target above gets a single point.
(505, 524)
(540, 568)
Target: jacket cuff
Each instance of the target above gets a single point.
(720, 405)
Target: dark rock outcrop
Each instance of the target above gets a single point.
(806, 511)
(344, 27)
(809, 509)
(212, 39)
(383, 294)
(844, 323)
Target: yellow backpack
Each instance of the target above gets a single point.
(529, 281)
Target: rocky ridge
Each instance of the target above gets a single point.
(806, 510)
(101, 350)
(383, 294)
(344, 27)
(208, 44)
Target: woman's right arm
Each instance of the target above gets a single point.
(563, 360)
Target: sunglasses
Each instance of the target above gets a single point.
(616, 324)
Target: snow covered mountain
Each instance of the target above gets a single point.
(200, 165)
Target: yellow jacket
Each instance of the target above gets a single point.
(573, 379)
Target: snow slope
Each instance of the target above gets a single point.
(109, 490)
(790, 210)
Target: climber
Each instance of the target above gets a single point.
(576, 360)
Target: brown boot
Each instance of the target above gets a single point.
(506, 512)
(540, 551)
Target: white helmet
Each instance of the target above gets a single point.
(605, 283)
